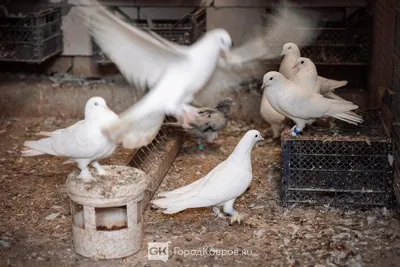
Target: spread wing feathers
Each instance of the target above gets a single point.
(247, 61)
(140, 57)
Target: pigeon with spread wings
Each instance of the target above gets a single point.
(175, 73)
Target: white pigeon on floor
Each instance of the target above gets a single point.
(83, 142)
(272, 117)
(220, 187)
(291, 54)
(302, 107)
(175, 73)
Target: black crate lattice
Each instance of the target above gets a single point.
(33, 37)
(184, 32)
(345, 42)
(340, 164)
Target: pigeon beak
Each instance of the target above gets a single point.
(282, 54)
(295, 66)
(261, 138)
(106, 108)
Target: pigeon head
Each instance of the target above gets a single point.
(227, 102)
(95, 106)
(273, 78)
(290, 49)
(246, 144)
(225, 105)
(222, 38)
(254, 136)
(304, 63)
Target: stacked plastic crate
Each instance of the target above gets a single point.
(184, 31)
(31, 37)
(395, 106)
(333, 162)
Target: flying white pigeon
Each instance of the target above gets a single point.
(175, 73)
(82, 142)
(291, 54)
(220, 187)
(302, 107)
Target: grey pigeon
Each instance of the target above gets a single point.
(209, 122)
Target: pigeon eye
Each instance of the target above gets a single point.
(271, 79)
(289, 47)
(256, 135)
(302, 62)
(96, 104)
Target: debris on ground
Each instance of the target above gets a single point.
(33, 189)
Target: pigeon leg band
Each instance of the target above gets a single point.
(295, 132)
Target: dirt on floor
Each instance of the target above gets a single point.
(35, 219)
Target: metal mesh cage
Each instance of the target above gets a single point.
(339, 164)
(344, 41)
(184, 31)
(395, 102)
(33, 37)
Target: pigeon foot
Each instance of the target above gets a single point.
(217, 212)
(86, 176)
(236, 217)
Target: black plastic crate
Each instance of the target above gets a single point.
(339, 164)
(339, 42)
(32, 37)
(395, 107)
(184, 31)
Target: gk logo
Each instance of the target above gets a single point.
(157, 251)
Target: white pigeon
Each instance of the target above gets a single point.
(220, 187)
(302, 107)
(175, 73)
(291, 53)
(270, 115)
(82, 142)
(306, 77)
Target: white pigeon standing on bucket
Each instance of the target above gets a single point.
(303, 107)
(220, 187)
(83, 142)
(175, 73)
(291, 53)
